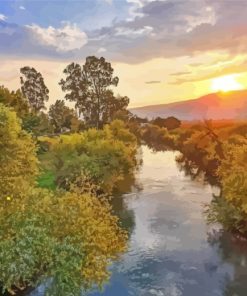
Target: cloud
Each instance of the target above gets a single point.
(121, 31)
(136, 6)
(67, 38)
(22, 8)
(35, 41)
(153, 82)
(101, 49)
(196, 64)
(236, 65)
(3, 17)
(168, 29)
(153, 29)
(156, 29)
(182, 73)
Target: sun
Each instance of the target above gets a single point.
(226, 83)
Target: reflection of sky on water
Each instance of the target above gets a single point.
(169, 253)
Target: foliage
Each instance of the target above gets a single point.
(14, 100)
(133, 122)
(229, 215)
(34, 88)
(103, 156)
(63, 117)
(18, 163)
(46, 180)
(68, 238)
(112, 105)
(89, 87)
(200, 145)
(170, 122)
(233, 178)
(233, 174)
(157, 138)
(37, 123)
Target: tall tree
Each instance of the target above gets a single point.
(62, 116)
(89, 87)
(33, 88)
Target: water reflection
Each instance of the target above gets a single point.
(233, 251)
(129, 185)
(126, 216)
(172, 251)
(195, 170)
(192, 164)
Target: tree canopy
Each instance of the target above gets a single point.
(14, 100)
(33, 88)
(62, 116)
(68, 237)
(170, 122)
(89, 86)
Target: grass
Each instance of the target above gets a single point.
(47, 180)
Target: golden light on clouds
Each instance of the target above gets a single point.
(226, 83)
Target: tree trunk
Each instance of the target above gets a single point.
(98, 114)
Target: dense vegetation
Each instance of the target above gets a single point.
(102, 157)
(57, 224)
(68, 236)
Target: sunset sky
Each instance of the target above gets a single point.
(162, 51)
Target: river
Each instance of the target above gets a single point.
(172, 251)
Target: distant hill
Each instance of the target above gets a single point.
(221, 105)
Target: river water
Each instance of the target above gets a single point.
(172, 252)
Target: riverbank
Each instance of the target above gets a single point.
(172, 250)
(218, 151)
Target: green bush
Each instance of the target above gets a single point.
(102, 156)
(69, 238)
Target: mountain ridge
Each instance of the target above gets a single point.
(220, 105)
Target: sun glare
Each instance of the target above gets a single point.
(226, 83)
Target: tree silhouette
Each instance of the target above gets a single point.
(89, 87)
(34, 88)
